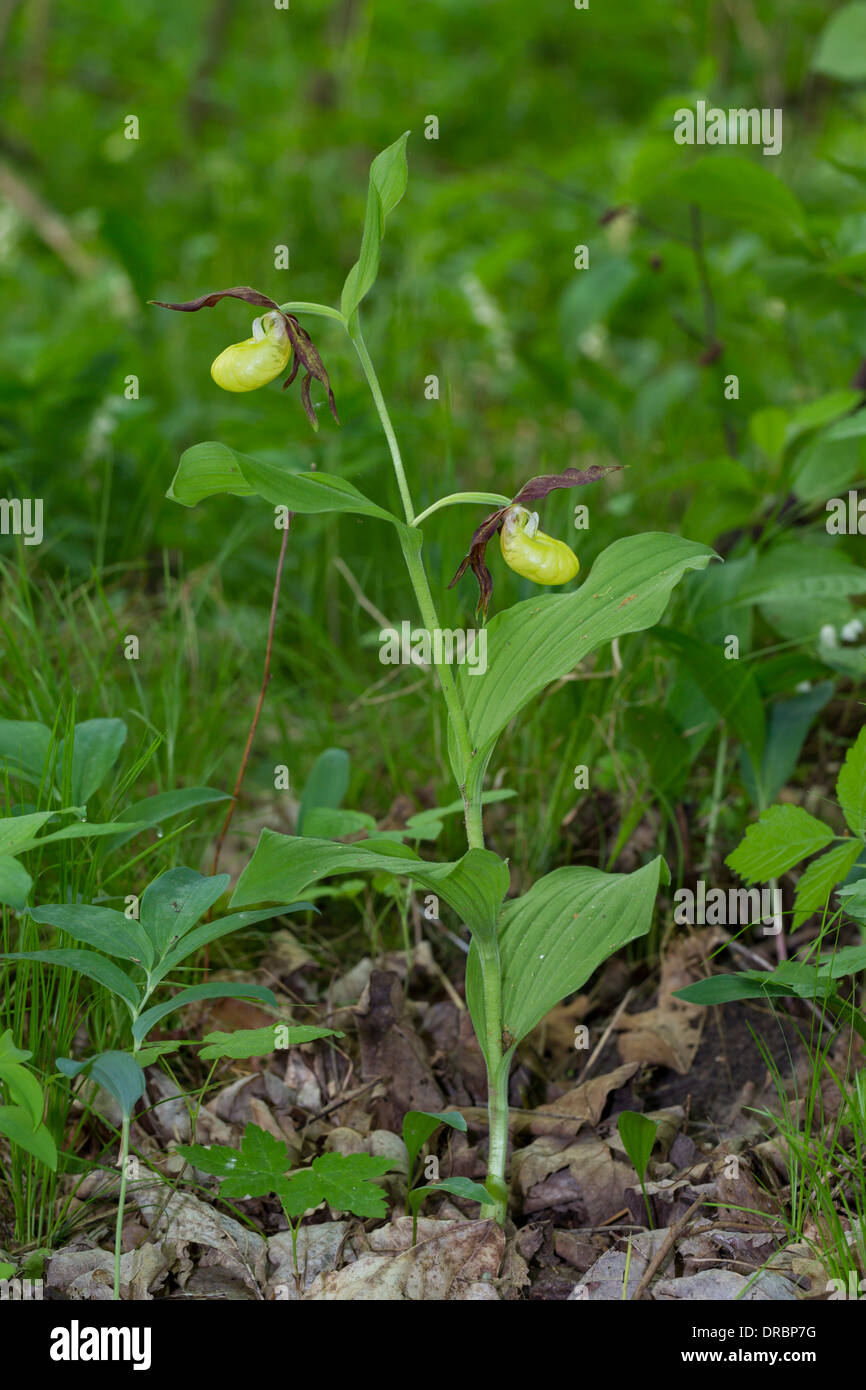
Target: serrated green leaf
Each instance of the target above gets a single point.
(255, 1170)
(345, 1182)
(780, 839)
(819, 880)
(851, 785)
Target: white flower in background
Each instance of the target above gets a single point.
(851, 631)
(827, 636)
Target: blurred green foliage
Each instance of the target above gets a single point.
(255, 129)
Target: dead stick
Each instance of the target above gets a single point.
(659, 1258)
(266, 676)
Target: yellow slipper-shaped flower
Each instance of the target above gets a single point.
(247, 366)
(533, 554)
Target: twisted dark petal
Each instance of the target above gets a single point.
(537, 488)
(307, 355)
(307, 403)
(207, 301)
(476, 558)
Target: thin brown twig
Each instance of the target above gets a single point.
(266, 676)
(666, 1249)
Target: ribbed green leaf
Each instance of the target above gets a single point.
(17, 1125)
(156, 809)
(96, 746)
(553, 937)
(116, 1072)
(210, 468)
(284, 865)
(543, 639)
(389, 176)
(103, 927)
(173, 903)
(15, 883)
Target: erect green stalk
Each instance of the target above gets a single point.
(497, 1079)
(470, 790)
(424, 598)
(121, 1202)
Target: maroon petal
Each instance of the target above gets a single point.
(207, 301)
(537, 488)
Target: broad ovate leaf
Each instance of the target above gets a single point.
(284, 865)
(542, 639)
(553, 937)
(116, 1072)
(211, 468)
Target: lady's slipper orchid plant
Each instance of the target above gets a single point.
(528, 952)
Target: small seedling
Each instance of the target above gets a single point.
(638, 1134)
(418, 1127)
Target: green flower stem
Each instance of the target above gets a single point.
(379, 400)
(494, 499)
(322, 311)
(426, 606)
(121, 1202)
